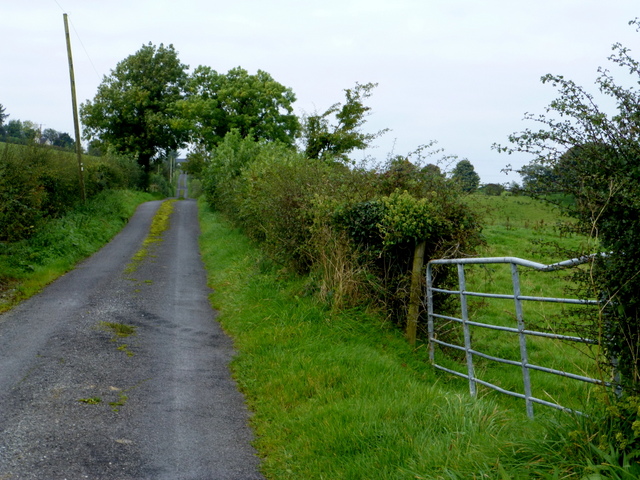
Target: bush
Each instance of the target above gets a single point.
(195, 188)
(225, 166)
(353, 230)
(587, 162)
(39, 182)
(159, 184)
(22, 194)
(492, 189)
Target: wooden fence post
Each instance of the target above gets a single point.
(416, 293)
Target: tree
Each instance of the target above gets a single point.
(64, 140)
(493, 189)
(538, 180)
(196, 162)
(2, 115)
(13, 130)
(466, 176)
(17, 131)
(135, 109)
(50, 134)
(595, 158)
(58, 139)
(255, 105)
(323, 138)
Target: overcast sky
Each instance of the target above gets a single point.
(461, 72)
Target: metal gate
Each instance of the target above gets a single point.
(520, 329)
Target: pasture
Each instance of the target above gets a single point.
(521, 227)
(341, 394)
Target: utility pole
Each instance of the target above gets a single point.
(74, 102)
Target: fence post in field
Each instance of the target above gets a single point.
(416, 292)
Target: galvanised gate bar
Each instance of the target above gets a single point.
(519, 330)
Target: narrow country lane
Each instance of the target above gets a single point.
(118, 370)
(181, 191)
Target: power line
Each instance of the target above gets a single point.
(85, 50)
(80, 40)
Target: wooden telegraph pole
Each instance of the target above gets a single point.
(74, 102)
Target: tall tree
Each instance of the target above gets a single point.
(466, 176)
(13, 129)
(58, 139)
(337, 132)
(21, 132)
(2, 115)
(255, 105)
(134, 110)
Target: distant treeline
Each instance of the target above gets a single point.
(26, 132)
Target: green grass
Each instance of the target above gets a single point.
(27, 266)
(529, 229)
(342, 394)
(159, 224)
(119, 329)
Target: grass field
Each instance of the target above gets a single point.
(525, 228)
(343, 395)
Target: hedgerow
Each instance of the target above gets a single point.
(38, 183)
(352, 230)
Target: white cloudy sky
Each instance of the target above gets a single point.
(462, 72)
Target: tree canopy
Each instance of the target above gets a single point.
(255, 105)
(2, 115)
(58, 139)
(466, 176)
(17, 131)
(134, 110)
(323, 137)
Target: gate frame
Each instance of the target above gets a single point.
(521, 329)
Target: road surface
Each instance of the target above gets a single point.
(181, 191)
(79, 401)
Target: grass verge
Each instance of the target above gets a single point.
(29, 265)
(341, 394)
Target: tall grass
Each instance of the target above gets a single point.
(340, 394)
(28, 265)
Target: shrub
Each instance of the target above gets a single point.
(38, 182)
(159, 184)
(592, 159)
(493, 189)
(195, 188)
(22, 195)
(354, 230)
(276, 203)
(225, 165)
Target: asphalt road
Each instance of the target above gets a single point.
(182, 186)
(78, 401)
